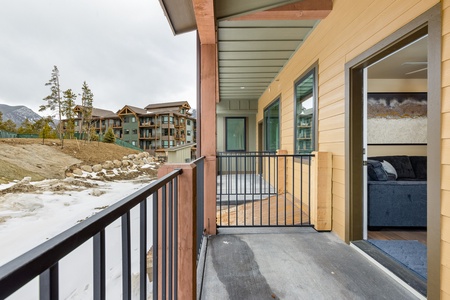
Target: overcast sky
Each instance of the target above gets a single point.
(124, 50)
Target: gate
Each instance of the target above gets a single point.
(263, 189)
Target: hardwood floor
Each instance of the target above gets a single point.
(399, 234)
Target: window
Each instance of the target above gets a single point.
(165, 119)
(235, 133)
(127, 131)
(133, 143)
(133, 119)
(272, 126)
(134, 131)
(189, 122)
(189, 133)
(305, 102)
(125, 119)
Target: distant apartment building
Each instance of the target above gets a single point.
(101, 120)
(157, 126)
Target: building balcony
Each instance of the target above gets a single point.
(275, 253)
(148, 124)
(148, 137)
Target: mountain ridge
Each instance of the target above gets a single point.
(18, 113)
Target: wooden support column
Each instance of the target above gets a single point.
(321, 191)
(208, 131)
(187, 220)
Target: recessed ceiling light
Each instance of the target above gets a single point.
(242, 87)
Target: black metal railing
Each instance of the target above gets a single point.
(263, 189)
(200, 163)
(43, 260)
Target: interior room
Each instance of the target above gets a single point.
(396, 155)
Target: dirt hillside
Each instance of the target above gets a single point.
(29, 157)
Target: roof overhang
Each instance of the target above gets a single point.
(254, 38)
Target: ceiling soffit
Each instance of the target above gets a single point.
(252, 53)
(256, 38)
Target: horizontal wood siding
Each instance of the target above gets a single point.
(351, 28)
(445, 154)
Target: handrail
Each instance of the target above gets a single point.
(18, 272)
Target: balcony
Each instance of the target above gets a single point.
(262, 255)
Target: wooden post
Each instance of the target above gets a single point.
(187, 219)
(281, 175)
(208, 131)
(321, 186)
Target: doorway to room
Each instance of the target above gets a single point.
(395, 159)
(376, 133)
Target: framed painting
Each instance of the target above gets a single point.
(396, 118)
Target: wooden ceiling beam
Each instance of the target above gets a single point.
(303, 10)
(205, 19)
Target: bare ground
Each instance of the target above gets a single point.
(21, 158)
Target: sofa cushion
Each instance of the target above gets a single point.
(390, 170)
(376, 171)
(419, 164)
(401, 164)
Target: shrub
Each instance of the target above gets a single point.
(109, 136)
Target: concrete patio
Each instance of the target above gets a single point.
(289, 263)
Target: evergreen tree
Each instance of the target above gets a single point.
(68, 105)
(87, 97)
(53, 100)
(109, 136)
(26, 127)
(8, 125)
(42, 126)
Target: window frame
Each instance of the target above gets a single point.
(276, 101)
(226, 134)
(310, 71)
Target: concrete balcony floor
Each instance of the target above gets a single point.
(289, 263)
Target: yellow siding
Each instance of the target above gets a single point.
(445, 154)
(351, 28)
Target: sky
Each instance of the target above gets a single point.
(123, 49)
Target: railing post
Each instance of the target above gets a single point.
(281, 172)
(186, 242)
(321, 186)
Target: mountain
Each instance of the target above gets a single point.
(18, 114)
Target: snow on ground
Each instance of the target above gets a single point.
(29, 219)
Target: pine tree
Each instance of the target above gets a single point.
(54, 101)
(87, 97)
(26, 127)
(109, 136)
(8, 126)
(68, 105)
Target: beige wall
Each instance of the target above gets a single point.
(396, 85)
(445, 154)
(242, 108)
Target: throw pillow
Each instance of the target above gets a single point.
(375, 171)
(390, 170)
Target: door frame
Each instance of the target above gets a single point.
(427, 23)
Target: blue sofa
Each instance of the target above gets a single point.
(400, 202)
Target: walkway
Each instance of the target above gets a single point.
(289, 263)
